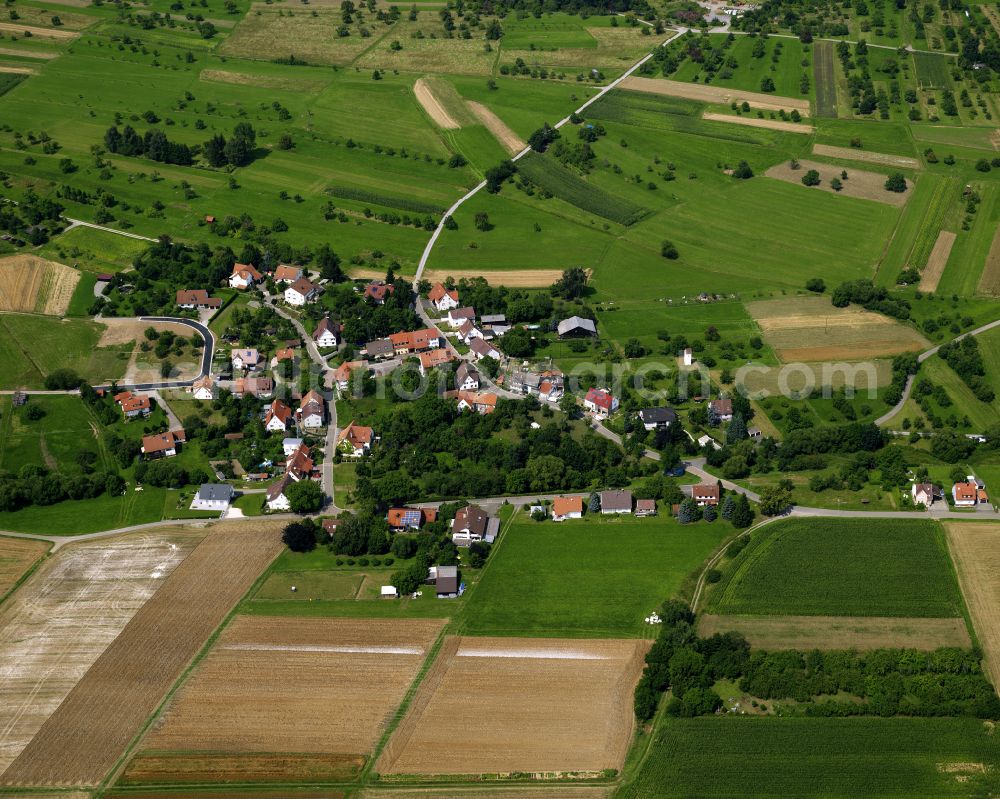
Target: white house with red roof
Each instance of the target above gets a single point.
(441, 298)
(600, 402)
(244, 276)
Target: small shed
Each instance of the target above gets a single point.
(389, 592)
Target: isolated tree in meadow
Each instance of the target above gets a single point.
(483, 221)
(668, 250)
(743, 171)
(811, 178)
(835, 184)
(767, 84)
(238, 151)
(896, 183)
(816, 284)
(571, 285)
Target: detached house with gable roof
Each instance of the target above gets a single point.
(300, 292)
(355, 440)
(278, 417)
(325, 334)
(600, 402)
(244, 276)
(441, 298)
(312, 412)
(471, 524)
(287, 274)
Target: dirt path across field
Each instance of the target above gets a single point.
(714, 94)
(937, 261)
(757, 122)
(852, 154)
(859, 184)
(975, 548)
(510, 140)
(431, 105)
(839, 632)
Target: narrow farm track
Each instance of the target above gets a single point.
(425, 256)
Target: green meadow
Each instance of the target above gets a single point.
(566, 579)
(842, 567)
(815, 757)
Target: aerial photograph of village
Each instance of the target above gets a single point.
(499, 399)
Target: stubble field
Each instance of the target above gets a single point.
(975, 549)
(80, 742)
(247, 700)
(839, 632)
(61, 619)
(805, 329)
(715, 94)
(860, 184)
(34, 285)
(502, 705)
(17, 556)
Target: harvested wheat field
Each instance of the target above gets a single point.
(86, 735)
(65, 615)
(757, 122)
(802, 329)
(17, 556)
(975, 549)
(535, 705)
(433, 106)
(937, 261)
(508, 138)
(224, 793)
(714, 94)
(247, 695)
(263, 81)
(39, 33)
(989, 281)
(512, 278)
(860, 184)
(839, 632)
(27, 53)
(34, 285)
(854, 154)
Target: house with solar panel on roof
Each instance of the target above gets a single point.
(405, 520)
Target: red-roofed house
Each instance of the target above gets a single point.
(965, 494)
(162, 445)
(133, 405)
(434, 358)
(355, 440)
(441, 298)
(377, 291)
(600, 402)
(706, 493)
(244, 276)
(342, 374)
(325, 334)
(567, 508)
(287, 274)
(414, 341)
(278, 417)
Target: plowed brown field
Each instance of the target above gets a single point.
(714, 94)
(502, 705)
(249, 696)
(975, 548)
(82, 740)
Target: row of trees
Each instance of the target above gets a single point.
(882, 682)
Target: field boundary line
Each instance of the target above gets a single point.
(723, 548)
(24, 577)
(115, 770)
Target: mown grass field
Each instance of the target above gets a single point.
(548, 579)
(94, 250)
(714, 757)
(843, 567)
(31, 347)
